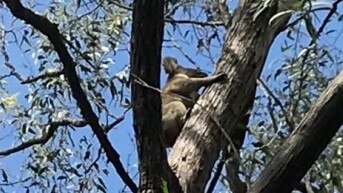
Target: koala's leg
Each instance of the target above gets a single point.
(173, 119)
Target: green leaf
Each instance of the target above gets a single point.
(164, 186)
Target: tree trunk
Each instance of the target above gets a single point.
(222, 105)
(146, 42)
(303, 147)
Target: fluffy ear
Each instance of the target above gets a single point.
(170, 64)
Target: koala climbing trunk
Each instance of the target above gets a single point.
(180, 94)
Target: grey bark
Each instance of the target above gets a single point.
(222, 105)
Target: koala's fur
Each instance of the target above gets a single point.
(179, 94)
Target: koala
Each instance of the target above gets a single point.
(180, 94)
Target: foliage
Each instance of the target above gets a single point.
(294, 82)
(67, 161)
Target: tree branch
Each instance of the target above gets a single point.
(201, 23)
(232, 172)
(42, 76)
(169, 19)
(51, 31)
(51, 128)
(313, 41)
(218, 172)
(40, 140)
(305, 144)
(145, 61)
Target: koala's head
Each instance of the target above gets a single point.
(172, 68)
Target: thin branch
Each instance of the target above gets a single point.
(218, 172)
(269, 93)
(178, 47)
(117, 121)
(9, 65)
(120, 5)
(51, 31)
(225, 14)
(271, 109)
(232, 171)
(313, 41)
(302, 16)
(328, 17)
(40, 140)
(94, 162)
(13, 71)
(174, 21)
(42, 76)
(51, 128)
(201, 23)
(16, 182)
(172, 10)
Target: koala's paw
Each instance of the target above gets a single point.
(221, 76)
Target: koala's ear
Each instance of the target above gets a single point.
(170, 64)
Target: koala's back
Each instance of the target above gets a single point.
(173, 120)
(187, 101)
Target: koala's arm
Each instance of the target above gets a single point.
(173, 119)
(186, 85)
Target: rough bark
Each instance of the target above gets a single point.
(243, 55)
(146, 42)
(304, 145)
